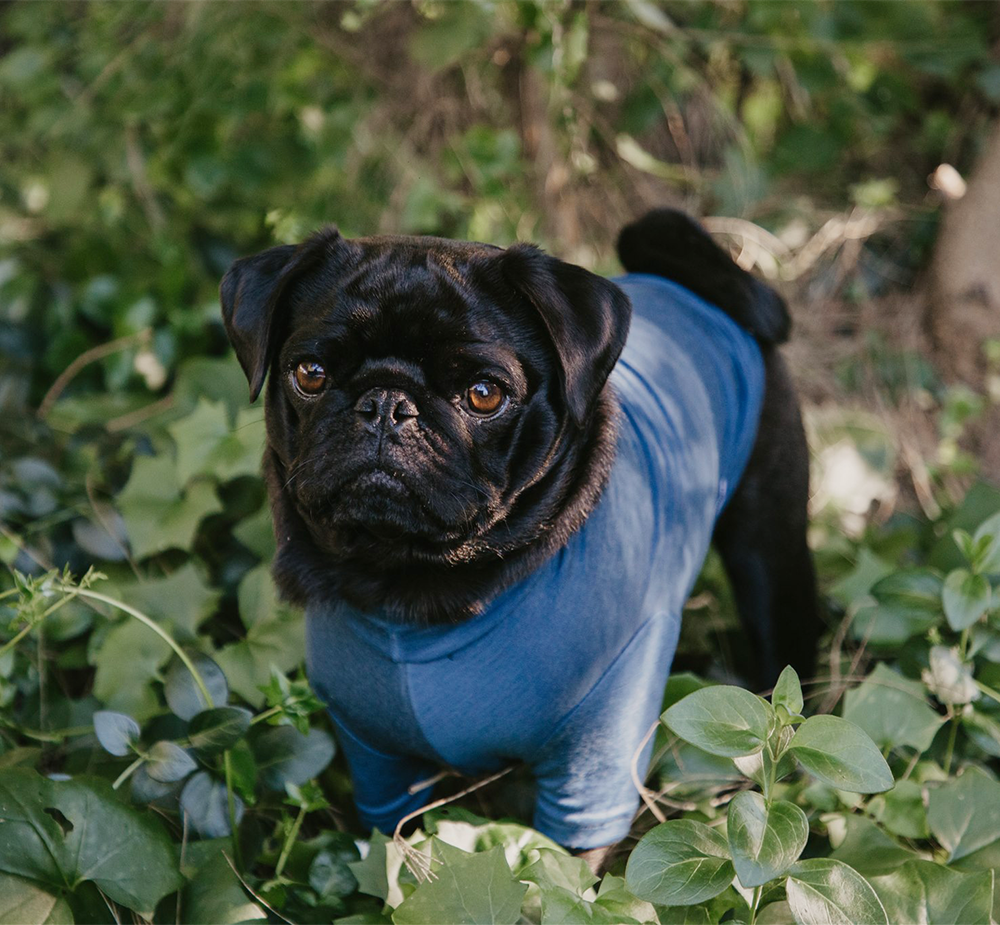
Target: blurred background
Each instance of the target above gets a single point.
(845, 151)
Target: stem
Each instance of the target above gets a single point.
(267, 714)
(228, 765)
(292, 835)
(7, 646)
(127, 773)
(757, 891)
(987, 690)
(8, 593)
(950, 749)
(162, 633)
(963, 643)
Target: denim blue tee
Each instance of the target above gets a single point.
(566, 669)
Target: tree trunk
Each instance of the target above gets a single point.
(964, 305)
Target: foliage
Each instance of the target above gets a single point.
(160, 750)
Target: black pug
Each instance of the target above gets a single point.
(493, 508)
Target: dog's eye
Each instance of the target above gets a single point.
(310, 377)
(484, 397)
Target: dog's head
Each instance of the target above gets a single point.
(422, 392)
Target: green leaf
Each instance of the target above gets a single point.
(206, 802)
(117, 732)
(613, 896)
(378, 872)
(764, 839)
(563, 907)
(330, 876)
(207, 445)
(840, 754)
(989, 560)
(156, 513)
(277, 642)
(963, 813)
(25, 903)
(966, 597)
(182, 600)
(127, 854)
(787, 692)
(723, 720)
(213, 731)
(901, 811)
(679, 863)
(868, 849)
(127, 661)
(558, 869)
(216, 895)
(478, 889)
(168, 762)
(184, 696)
(922, 891)
(821, 891)
(892, 710)
(284, 755)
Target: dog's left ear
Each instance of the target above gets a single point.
(250, 293)
(586, 316)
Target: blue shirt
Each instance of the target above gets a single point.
(566, 669)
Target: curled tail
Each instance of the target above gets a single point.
(668, 243)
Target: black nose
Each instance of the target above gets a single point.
(389, 409)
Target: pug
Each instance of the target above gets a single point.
(494, 478)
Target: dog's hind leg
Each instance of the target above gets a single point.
(761, 536)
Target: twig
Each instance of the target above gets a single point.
(421, 868)
(138, 339)
(131, 418)
(644, 791)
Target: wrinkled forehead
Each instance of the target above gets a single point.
(395, 294)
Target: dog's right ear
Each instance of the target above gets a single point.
(250, 293)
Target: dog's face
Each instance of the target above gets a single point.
(421, 390)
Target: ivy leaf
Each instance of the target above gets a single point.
(892, 710)
(206, 802)
(966, 597)
(286, 756)
(207, 445)
(168, 762)
(378, 873)
(722, 720)
(213, 731)
(124, 852)
(277, 642)
(821, 891)
(477, 889)
(868, 849)
(764, 839)
(127, 662)
(216, 895)
(182, 600)
(184, 696)
(840, 754)
(23, 901)
(922, 891)
(679, 863)
(963, 813)
(117, 732)
(157, 515)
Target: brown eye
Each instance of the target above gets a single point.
(310, 377)
(484, 397)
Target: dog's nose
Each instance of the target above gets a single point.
(386, 408)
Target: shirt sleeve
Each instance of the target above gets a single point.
(586, 795)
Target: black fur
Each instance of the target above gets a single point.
(463, 506)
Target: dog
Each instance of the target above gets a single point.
(494, 477)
